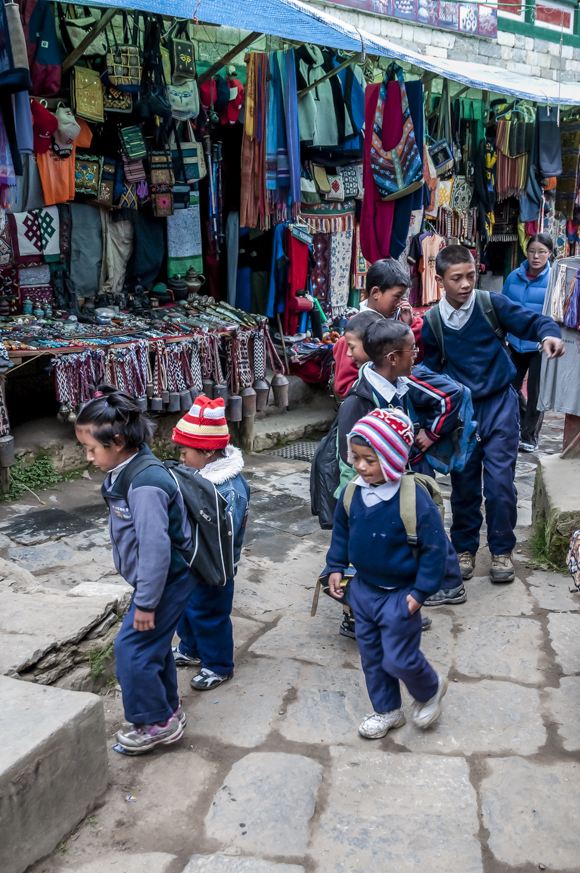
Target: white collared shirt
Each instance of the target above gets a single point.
(116, 471)
(373, 494)
(456, 318)
(386, 389)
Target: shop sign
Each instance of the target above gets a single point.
(470, 19)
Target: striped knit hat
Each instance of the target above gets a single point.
(204, 426)
(390, 433)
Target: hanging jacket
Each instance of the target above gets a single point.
(42, 45)
(529, 293)
(226, 475)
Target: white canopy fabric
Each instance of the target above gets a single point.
(294, 20)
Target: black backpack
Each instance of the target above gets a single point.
(212, 557)
(325, 478)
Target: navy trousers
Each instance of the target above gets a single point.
(453, 577)
(495, 455)
(205, 628)
(388, 639)
(145, 663)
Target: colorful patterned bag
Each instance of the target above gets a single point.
(399, 171)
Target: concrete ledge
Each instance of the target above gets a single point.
(556, 503)
(293, 425)
(53, 767)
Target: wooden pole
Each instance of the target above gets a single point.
(352, 60)
(89, 38)
(215, 68)
(246, 432)
(283, 342)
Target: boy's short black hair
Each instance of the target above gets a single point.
(384, 336)
(359, 323)
(114, 413)
(387, 273)
(450, 256)
(360, 441)
(543, 239)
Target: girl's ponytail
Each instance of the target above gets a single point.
(113, 413)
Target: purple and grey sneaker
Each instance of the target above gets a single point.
(138, 739)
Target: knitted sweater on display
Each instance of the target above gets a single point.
(475, 355)
(374, 540)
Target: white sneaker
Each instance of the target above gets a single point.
(424, 714)
(378, 724)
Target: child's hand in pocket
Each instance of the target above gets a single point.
(143, 621)
(334, 581)
(414, 605)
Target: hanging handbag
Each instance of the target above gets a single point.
(125, 61)
(117, 101)
(132, 142)
(14, 71)
(180, 196)
(349, 181)
(88, 174)
(190, 165)
(182, 53)
(442, 157)
(133, 170)
(442, 151)
(153, 100)
(106, 185)
(87, 94)
(184, 100)
(336, 188)
(161, 201)
(160, 169)
(399, 171)
(74, 30)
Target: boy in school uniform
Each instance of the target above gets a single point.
(462, 336)
(392, 579)
(387, 284)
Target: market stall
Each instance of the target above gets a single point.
(167, 222)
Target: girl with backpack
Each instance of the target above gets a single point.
(150, 532)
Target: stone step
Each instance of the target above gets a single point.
(555, 505)
(53, 767)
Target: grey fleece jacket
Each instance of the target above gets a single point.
(148, 531)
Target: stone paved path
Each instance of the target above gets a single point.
(272, 777)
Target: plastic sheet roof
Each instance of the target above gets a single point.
(301, 22)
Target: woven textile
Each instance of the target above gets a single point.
(49, 223)
(567, 186)
(321, 273)
(184, 241)
(331, 216)
(26, 238)
(340, 261)
(5, 246)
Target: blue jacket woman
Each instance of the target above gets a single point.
(527, 286)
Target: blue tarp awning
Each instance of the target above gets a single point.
(301, 22)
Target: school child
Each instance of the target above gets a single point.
(149, 529)
(463, 336)
(389, 381)
(387, 284)
(391, 581)
(205, 629)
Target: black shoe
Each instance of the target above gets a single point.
(447, 595)
(207, 679)
(347, 627)
(426, 622)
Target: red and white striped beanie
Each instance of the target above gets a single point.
(390, 433)
(204, 426)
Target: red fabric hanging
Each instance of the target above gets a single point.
(297, 276)
(376, 222)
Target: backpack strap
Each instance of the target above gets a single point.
(408, 509)
(133, 469)
(348, 495)
(433, 317)
(486, 306)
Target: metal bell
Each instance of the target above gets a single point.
(72, 417)
(165, 396)
(194, 393)
(207, 387)
(150, 390)
(156, 404)
(249, 402)
(234, 409)
(142, 403)
(280, 387)
(221, 390)
(174, 404)
(262, 390)
(185, 400)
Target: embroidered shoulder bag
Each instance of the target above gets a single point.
(399, 171)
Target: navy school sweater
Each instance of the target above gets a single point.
(475, 355)
(374, 540)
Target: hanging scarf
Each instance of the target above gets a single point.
(512, 172)
(7, 174)
(397, 171)
(290, 89)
